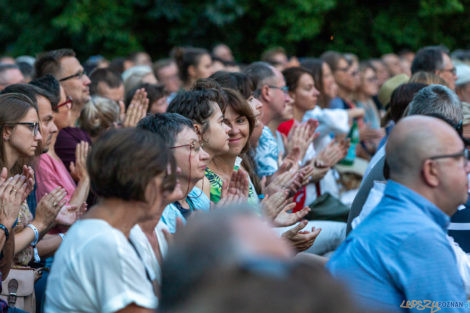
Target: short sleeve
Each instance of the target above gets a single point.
(118, 276)
(426, 269)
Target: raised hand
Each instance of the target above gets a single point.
(237, 190)
(272, 205)
(291, 181)
(334, 152)
(67, 215)
(137, 108)
(301, 136)
(48, 208)
(285, 218)
(28, 173)
(299, 239)
(314, 171)
(12, 194)
(78, 168)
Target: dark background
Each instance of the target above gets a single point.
(303, 27)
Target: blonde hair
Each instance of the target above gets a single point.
(466, 113)
(98, 115)
(427, 78)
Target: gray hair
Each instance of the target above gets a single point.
(3, 69)
(259, 72)
(437, 100)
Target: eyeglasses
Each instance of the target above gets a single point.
(34, 127)
(79, 75)
(372, 79)
(284, 89)
(342, 69)
(464, 153)
(450, 70)
(67, 102)
(196, 146)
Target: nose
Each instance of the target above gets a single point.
(288, 98)
(37, 136)
(54, 128)
(203, 155)
(86, 80)
(227, 128)
(316, 92)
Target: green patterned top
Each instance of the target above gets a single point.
(216, 187)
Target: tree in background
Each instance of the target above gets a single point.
(304, 27)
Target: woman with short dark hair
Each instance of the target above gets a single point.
(97, 269)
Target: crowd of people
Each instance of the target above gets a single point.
(196, 183)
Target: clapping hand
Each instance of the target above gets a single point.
(237, 190)
(137, 108)
(300, 239)
(78, 168)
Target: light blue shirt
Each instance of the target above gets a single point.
(267, 154)
(400, 252)
(171, 212)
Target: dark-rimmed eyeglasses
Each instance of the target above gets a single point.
(195, 146)
(284, 89)
(450, 70)
(67, 102)
(79, 75)
(33, 126)
(464, 153)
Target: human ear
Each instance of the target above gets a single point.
(7, 133)
(197, 128)
(265, 92)
(430, 173)
(192, 71)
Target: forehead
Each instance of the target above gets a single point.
(44, 105)
(446, 59)
(186, 135)
(30, 116)
(70, 66)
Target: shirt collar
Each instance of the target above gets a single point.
(402, 193)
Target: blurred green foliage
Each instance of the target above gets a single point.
(304, 27)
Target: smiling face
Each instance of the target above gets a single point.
(21, 138)
(239, 131)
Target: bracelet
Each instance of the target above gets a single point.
(37, 259)
(36, 234)
(5, 230)
(61, 236)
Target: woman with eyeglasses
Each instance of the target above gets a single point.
(20, 140)
(179, 134)
(51, 171)
(368, 88)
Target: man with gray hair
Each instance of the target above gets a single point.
(401, 253)
(271, 91)
(434, 100)
(10, 74)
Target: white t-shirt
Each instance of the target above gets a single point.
(140, 241)
(97, 270)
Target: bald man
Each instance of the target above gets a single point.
(400, 251)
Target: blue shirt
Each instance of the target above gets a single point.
(199, 201)
(267, 154)
(400, 252)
